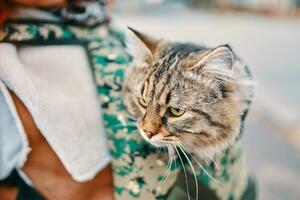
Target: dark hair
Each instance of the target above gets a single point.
(6, 8)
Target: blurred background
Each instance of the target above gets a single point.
(266, 34)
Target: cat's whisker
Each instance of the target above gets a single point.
(207, 155)
(123, 125)
(185, 174)
(169, 142)
(172, 154)
(194, 173)
(129, 117)
(168, 167)
(212, 178)
(128, 123)
(214, 162)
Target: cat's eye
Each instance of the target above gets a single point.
(143, 102)
(177, 111)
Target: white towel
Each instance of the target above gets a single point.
(56, 85)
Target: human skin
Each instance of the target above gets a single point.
(49, 176)
(41, 3)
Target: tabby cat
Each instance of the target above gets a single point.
(186, 95)
(189, 98)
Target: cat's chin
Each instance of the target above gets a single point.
(158, 144)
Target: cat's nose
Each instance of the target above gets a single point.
(151, 124)
(149, 134)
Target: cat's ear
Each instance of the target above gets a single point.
(217, 62)
(141, 46)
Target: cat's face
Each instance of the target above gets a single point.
(183, 94)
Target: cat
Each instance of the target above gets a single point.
(185, 95)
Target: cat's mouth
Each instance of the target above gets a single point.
(155, 140)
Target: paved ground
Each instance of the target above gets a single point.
(271, 47)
